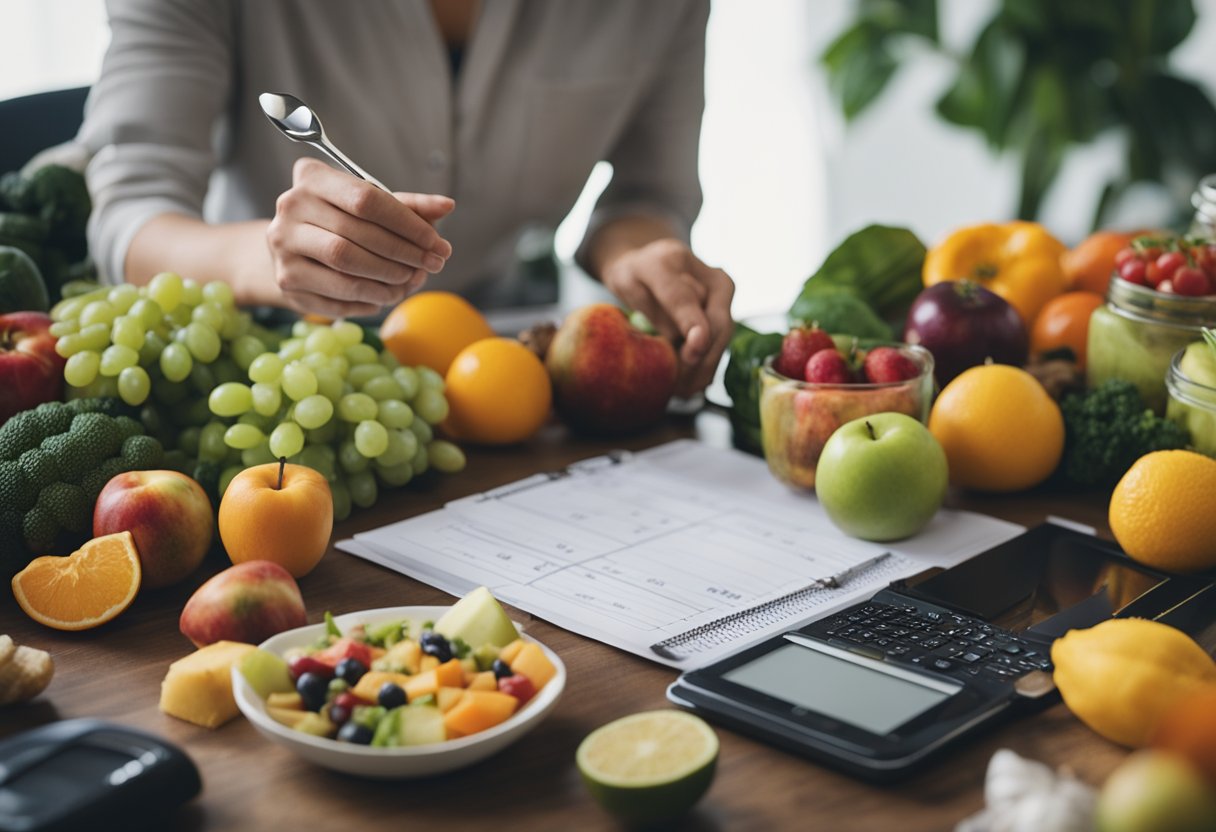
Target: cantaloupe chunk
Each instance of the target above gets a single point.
(509, 652)
(198, 687)
(428, 662)
(368, 686)
(290, 701)
(450, 674)
(483, 681)
(286, 716)
(477, 711)
(532, 662)
(446, 698)
(405, 654)
(422, 684)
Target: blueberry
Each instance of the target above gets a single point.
(501, 669)
(436, 645)
(356, 733)
(350, 670)
(313, 689)
(391, 695)
(339, 714)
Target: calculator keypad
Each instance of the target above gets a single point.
(943, 642)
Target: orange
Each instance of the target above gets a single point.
(1189, 729)
(1064, 322)
(1161, 511)
(83, 590)
(1089, 266)
(498, 392)
(285, 517)
(429, 328)
(999, 428)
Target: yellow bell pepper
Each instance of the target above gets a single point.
(1020, 261)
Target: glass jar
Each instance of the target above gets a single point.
(1204, 202)
(1135, 335)
(1192, 404)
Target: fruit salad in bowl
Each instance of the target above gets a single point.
(815, 384)
(402, 691)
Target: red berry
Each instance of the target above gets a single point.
(519, 686)
(1124, 255)
(346, 699)
(1133, 271)
(307, 664)
(1205, 258)
(1191, 281)
(884, 364)
(798, 345)
(827, 367)
(1169, 263)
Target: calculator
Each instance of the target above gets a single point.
(882, 687)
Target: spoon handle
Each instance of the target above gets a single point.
(325, 146)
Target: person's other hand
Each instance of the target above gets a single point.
(343, 247)
(686, 300)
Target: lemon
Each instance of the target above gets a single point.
(651, 766)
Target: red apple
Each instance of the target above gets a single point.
(608, 376)
(31, 372)
(169, 516)
(248, 602)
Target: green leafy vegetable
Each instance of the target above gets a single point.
(748, 349)
(331, 626)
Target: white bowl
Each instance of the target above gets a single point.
(387, 763)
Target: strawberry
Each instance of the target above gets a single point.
(798, 345)
(827, 367)
(885, 364)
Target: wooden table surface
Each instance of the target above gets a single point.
(114, 673)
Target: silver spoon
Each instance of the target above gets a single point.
(299, 123)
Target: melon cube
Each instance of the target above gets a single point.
(291, 701)
(368, 686)
(286, 716)
(423, 684)
(485, 680)
(446, 698)
(405, 654)
(532, 662)
(421, 724)
(477, 619)
(428, 662)
(477, 711)
(198, 687)
(509, 652)
(450, 674)
(266, 673)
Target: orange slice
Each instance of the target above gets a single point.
(83, 590)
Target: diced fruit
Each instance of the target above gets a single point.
(198, 687)
(313, 689)
(316, 724)
(423, 684)
(300, 665)
(533, 663)
(290, 700)
(450, 674)
(345, 648)
(477, 711)
(388, 729)
(827, 367)
(421, 724)
(486, 680)
(428, 663)
(405, 654)
(446, 698)
(369, 685)
(486, 655)
(391, 695)
(291, 717)
(508, 654)
(266, 673)
(476, 619)
(519, 686)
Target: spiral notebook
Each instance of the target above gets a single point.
(681, 553)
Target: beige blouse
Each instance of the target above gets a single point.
(546, 89)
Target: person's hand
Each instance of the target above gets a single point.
(686, 300)
(343, 247)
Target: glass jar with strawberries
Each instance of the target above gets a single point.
(1163, 293)
(816, 384)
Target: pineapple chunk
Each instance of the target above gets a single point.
(198, 687)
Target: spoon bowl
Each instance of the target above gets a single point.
(297, 121)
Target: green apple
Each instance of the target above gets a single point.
(477, 619)
(881, 477)
(1155, 791)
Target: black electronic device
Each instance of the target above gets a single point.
(87, 774)
(882, 686)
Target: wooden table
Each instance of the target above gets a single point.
(114, 673)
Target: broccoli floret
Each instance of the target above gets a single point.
(128, 427)
(92, 483)
(68, 453)
(21, 432)
(142, 453)
(109, 405)
(55, 416)
(60, 196)
(40, 468)
(68, 504)
(39, 529)
(99, 433)
(114, 466)
(15, 490)
(1109, 428)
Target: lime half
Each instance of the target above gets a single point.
(651, 766)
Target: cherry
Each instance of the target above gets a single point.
(1133, 271)
(1189, 280)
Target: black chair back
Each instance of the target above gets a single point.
(33, 123)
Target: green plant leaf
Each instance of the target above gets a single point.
(914, 17)
(986, 92)
(879, 264)
(1168, 22)
(859, 67)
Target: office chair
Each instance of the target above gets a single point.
(35, 122)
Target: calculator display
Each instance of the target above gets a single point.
(849, 691)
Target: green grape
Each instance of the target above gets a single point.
(227, 476)
(349, 458)
(315, 360)
(407, 377)
(361, 374)
(323, 340)
(127, 332)
(123, 297)
(340, 365)
(180, 316)
(219, 293)
(169, 392)
(203, 342)
(69, 345)
(188, 440)
(259, 454)
(81, 368)
(266, 368)
(211, 314)
(292, 349)
(243, 437)
(94, 336)
(192, 292)
(68, 309)
(286, 440)
(348, 333)
(356, 407)
(420, 461)
(98, 387)
(361, 354)
(324, 435)
(389, 360)
(428, 379)
(202, 379)
(393, 413)
(152, 348)
(134, 384)
(383, 387)
(176, 362)
(246, 349)
(61, 328)
(262, 423)
(400, 450)
(395, 476)
(266, 398)
(362, 488)
(166, 290)
(422, 431)
(313, 411)
(98, 312)
(431, 405)
(445, 456)
(225, 370)
(341, 498)
(195, 412)
(230, 399)
(147, 312)
(329, 383)
(320, 458)
(301, 328)
(117, 358)
(235, 325)
(211, 445)
(298, 382)
(371, 438)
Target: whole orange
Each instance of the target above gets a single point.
(1161, 511)
(498, 392)
(429, 328)
(1000, 429)
(1089, 266)
(279, 513)
(1189, 729)
(1064, 322)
